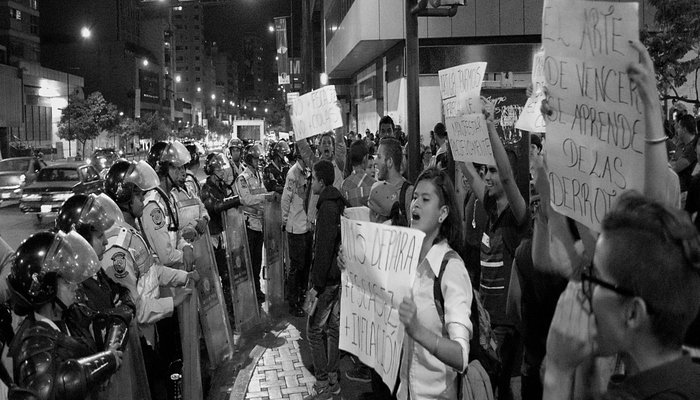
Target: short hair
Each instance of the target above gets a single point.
(324, 172)
(451, 227)
(658, 259)
(440, 130)
(688, 123)
(536, 140)
(387, 120)
(358, 152)
(392, 150)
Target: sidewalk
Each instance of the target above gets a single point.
(274, 362)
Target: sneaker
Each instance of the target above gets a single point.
(321, 391)
(361, 373)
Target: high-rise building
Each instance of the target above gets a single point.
(191, 75)
(226, 84)
(123, 56)
(19, 31)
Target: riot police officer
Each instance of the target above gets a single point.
(253, 194)
(235, 148)
(159, 222)
(191, 183)
(129, 260)
(49, 363)
(275, 173)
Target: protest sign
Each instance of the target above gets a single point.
(595, 134)
(316, 112)
(357, 213)
(531, 118)
(460, 88)
(381, 262)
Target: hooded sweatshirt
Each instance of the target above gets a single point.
(325, 271)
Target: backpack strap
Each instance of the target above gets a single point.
(402, 199)
(437, 288)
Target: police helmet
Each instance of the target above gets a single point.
(282, 149)
(214, 161)
(252, 151)
(155, 153)
(123, 176)
(83, 213)
(41, 259)
(194, 155)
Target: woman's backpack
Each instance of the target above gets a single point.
(477, 382)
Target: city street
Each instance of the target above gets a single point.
(16, 226)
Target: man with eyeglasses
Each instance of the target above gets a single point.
(637, 299)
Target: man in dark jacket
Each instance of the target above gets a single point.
(325, 278)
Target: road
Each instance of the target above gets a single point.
(16, 226)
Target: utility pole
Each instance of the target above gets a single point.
(412, 77)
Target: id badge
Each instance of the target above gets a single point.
(486, 240)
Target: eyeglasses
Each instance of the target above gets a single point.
(588, 279)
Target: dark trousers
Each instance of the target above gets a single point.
(255, 244)
(300, 250)
(508, 340)
(325, 320)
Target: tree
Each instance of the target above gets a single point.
(127, 129)
(84, 119)
(154, 127)
(215, 125)
(674, 45)
(198, 132)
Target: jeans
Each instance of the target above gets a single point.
(255, 243)
(300, 249)
(325, 319)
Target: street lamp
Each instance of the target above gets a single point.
(145, 62)
(213, 96)
(199, 89)
(178, 78)
(270, 28)
(85, 32)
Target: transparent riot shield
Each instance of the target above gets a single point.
(274, 251)
(240, 271)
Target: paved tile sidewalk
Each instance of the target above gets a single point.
(280, 372)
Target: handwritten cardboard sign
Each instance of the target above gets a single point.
(531, 118)
(595, 135)
(316, 112)
(381, 262)
(460, 88)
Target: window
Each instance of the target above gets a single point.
(196, 58)
(32, 4)
(196, 68)
(198, 79)
(15, 14)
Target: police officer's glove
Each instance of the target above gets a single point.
(201, 226)
(231, 202)
(189, 233)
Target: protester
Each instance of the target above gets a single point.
(440, 158)
(356, 187)
(637, 298)
(507, 223)
(436, 347)
(385, 198)
(386, 128)
(685, 157)
(48, 362)
(325, 280)
(294, 204)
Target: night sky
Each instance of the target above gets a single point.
(225, 24)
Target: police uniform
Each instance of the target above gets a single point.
(160, 230)
(275, 176)
(185, 198)
(131, 264)
(252, 194)
(192, 185)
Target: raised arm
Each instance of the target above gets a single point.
(475, 181)
(515, 199)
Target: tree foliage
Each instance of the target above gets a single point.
(672, 43)
(216, 126)
(84, 119)
(155, 127)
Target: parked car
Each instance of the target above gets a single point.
(56, 183)
(17, 172)
(102, 159)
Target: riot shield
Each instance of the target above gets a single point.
(130, 382)
(240, 271)
(274, 251)
(212, 310)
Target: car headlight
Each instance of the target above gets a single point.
(22, 179)
(61, 196)
(103, 162)
(31, 197)
(88, 160)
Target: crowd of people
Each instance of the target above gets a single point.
(89, 306)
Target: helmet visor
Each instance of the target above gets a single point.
(95, 215)
(177, 154)
(111, 208)
(71, 257)
(143, 176)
